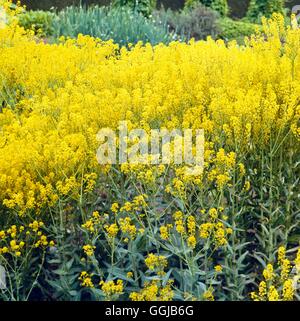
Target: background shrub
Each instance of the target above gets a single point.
(123, 25)
(259, 8)
(196, 22)
(220, 6)
(235, 29)
(41, 22)
(144, 6)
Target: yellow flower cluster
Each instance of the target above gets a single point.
(154, 291)
(215, 229)
(18, 239)
(156, 263)
(179, 222)
(282, 286)
(127, 227)
(164, 231)
(89, 249)
(137, 204)
(92, 225)
(101, 223)
(86, 280)
(111, 288)
(112, 230)
(191, 227)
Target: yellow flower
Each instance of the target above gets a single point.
(164, 232)
(281, 254)
(247, 186)
(96, 216)
(126, 226)
(86, 280)
(242, 169)
(191, 225)
(35, 225)
(156, 262)
(180, 226)
(115, 207)
(268, 272)
(262, 290)
(213, 213)
(205, 230)
(191, 241)
(208, 295)
(129, 275)
(285, 269)
(127, 207)
(229, 231)
(89, 225)
(141, 231)
(288, 290)
(89, 250)
(273, 294)
(111, 288)
(218, 268)
(153, 291)
(4, 250)
(112, 230)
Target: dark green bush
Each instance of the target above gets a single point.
(143, 6)
(236, 29)
(219, 5)
(196, 22)
(41, 22)
(259, 8)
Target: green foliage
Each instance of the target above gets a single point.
(120, 24)
(41, 22)
(259, 8)
(143, 6)
(220, 6)
(63, 268)
(196, 22)
(236, 29)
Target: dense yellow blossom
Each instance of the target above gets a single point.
(153, 291)
(288, 290)
(281, 284)
(164, 232)
(191, 241)
(111, 288)
(88, 249)
(49, 151)
(268, 272)
(112, 230)
(154, 262)
(127, 227)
